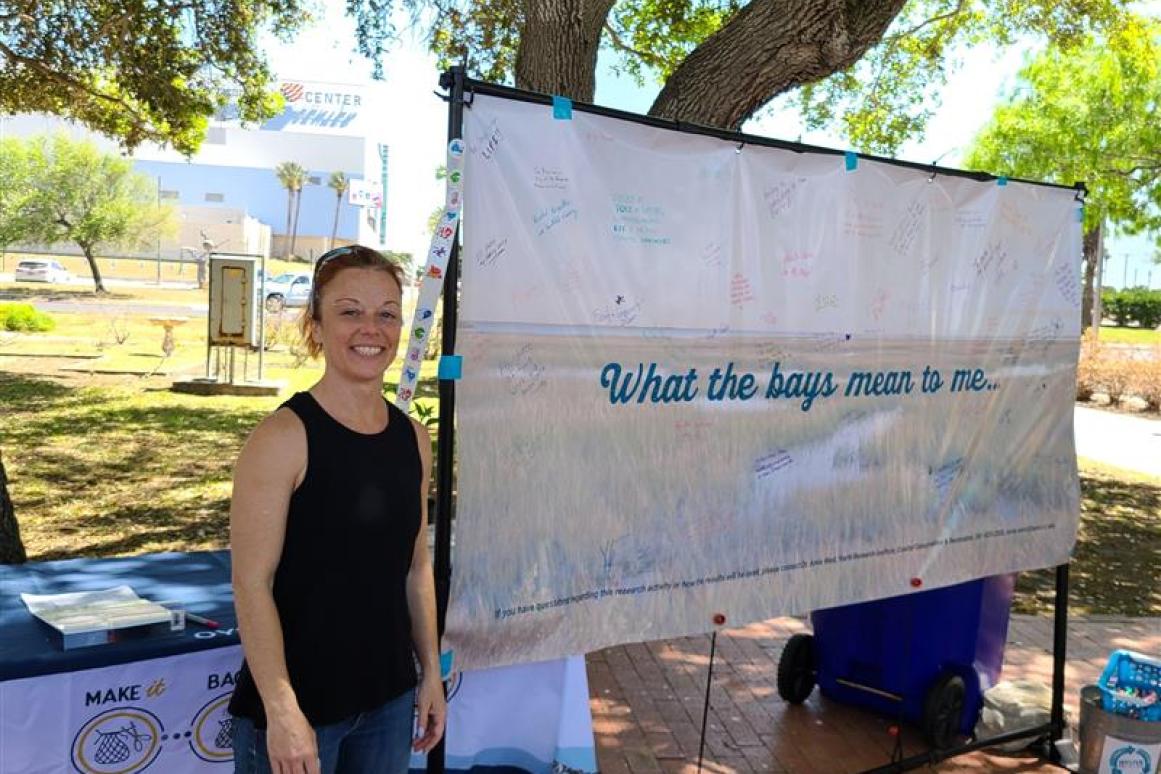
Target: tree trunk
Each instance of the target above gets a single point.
(772, 46)
(289, 220)
(294, 225)
(335, 227)
(1092, 242)
(11, 546)
(558, 47)
(97, 281)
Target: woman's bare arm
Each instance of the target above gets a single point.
(271, 464)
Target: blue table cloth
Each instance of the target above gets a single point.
(200, 580)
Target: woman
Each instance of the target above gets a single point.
(332, 579)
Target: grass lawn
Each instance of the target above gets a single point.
(1113, 335)
(128, 466)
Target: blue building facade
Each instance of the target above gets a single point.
(258, 193)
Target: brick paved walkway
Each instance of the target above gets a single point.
(647, 702)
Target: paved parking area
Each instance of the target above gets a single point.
(647, 702)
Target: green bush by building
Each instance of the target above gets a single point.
(1139, 306)
(24, 318)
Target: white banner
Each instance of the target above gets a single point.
(169, 714)
(704, 382)
(532, 717)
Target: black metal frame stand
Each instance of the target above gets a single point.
(456, 83)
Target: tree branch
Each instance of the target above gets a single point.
(773, 50)
(933, 20)
(651, 59)
(75, 85)
(1132, 170)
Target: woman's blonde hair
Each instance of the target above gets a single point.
(330, 264)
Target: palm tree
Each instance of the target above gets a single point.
(339, 183)
(292, 176)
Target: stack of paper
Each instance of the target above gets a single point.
(89, 618)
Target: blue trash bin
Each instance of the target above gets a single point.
(927, 656)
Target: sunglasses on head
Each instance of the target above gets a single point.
(329, 255)
(322, 260)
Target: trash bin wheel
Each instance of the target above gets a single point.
(943, 710)
(797, 669)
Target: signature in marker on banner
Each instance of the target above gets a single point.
(909, 228)
(712, 255)
(769, 464)
(741, 293)
(623, 310)
(797, 263)
(491, 252)
(547, 218)
(523, 373)
(487, 143)
(779, 197)
(549, 177)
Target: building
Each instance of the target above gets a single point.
(228, 192)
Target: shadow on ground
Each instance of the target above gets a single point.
(1116, 568)
(94, 472)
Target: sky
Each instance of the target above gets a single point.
(412, 121)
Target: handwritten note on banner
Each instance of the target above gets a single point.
(778, 387)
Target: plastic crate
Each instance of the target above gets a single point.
(1131, 686)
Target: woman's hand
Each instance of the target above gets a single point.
(291, 744)
(432, 713)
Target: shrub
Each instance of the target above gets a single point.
(1147, 380)
(1144, 306)
(1139, 305)
(1115, 375)
(1087, 376)
(25, 318)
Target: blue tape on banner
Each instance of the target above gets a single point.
(445, 664)
(852, 161)
(561, 108)
(1080, 214)
(1001, 180)
(451, 367)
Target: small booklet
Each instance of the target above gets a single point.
(85, 618)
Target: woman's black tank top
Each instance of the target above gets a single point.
(340, 586)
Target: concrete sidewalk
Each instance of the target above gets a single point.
(647, 702)
(1127, 441)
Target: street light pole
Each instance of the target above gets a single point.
(159, 229)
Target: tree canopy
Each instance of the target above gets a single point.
(14, 190)
(138, 70)
(66, 190)
(872, 69)
(1088, 114)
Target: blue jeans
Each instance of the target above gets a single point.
(374, 742)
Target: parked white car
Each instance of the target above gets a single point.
(286, 290)
(41, 270)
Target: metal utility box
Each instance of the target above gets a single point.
(233, 302)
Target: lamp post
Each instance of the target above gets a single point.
(159, 230)
(382, 194)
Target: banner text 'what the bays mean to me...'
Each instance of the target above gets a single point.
(649, 383)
